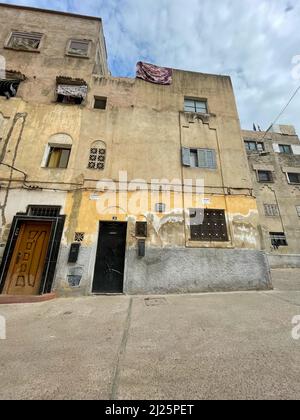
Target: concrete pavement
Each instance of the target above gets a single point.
(209, 346)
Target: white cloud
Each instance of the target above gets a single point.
(254, 41)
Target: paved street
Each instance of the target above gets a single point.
(210, 346)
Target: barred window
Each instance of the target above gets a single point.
(271, 210)
(208, 225)
(97, 156)
(278, 239)
(79, 236)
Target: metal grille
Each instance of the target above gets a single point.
(97, 159)
(44, 211)
(271, 210)
(278, 239)
(79, 237)
(212, 229)
(141, 229)
(160, 208)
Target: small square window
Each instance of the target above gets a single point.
(160, 208)
(79, 48)
(58, 157)
(79, 237)
(196, 106)
(265, 176)
(100, 102)
(24, 41)
(294, 178)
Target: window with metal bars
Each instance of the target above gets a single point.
(43, 211)
(208, 225)
(278, 239)
(271, 210)
(97, 158)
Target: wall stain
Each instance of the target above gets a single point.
(74, 216)
(17, 117)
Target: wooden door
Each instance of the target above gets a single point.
(27, 264)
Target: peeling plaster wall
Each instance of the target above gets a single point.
(144, 128)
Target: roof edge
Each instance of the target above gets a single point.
(53, 12)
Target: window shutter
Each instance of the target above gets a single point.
(186, 156)
(207, 158)
(202, 158)
(211, 159)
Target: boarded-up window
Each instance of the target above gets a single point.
(208, 225)
(271, 210)
(199, 158)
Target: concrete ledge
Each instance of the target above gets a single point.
(284, 261)
(8, 299)
(182, 270)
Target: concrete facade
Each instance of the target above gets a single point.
(279, 191)
(143, 130)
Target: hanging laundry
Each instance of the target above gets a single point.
(154, 74)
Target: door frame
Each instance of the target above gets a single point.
(57, 226)
(102, 222)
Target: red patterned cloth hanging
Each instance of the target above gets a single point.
(154, 74)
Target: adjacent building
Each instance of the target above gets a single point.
(101, 177)
(274, 163)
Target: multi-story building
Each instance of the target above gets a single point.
(274, 161)
(100, 175)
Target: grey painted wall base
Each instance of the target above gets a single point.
(182, 270)
(284, 261)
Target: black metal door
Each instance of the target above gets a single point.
(110, 260)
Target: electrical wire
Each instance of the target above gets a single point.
(281, 113)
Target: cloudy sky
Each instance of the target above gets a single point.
(253, 41)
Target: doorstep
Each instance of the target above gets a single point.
(9, 299)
